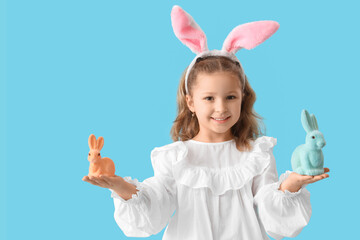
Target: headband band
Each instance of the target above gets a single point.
(214, 52)
(248, 36)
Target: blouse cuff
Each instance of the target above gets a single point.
(136, 197)
(286, 193)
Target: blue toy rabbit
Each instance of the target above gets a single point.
(308, 159)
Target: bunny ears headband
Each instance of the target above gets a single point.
(247, 35)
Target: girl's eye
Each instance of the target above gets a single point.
(231, 97)
(98, 154)
(89, 154)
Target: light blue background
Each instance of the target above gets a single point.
(72, 68)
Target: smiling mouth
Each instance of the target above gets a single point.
(221, 121)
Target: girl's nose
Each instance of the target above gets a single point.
(221, 106)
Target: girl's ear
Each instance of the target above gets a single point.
(187, 30)
(100, 143)
(190, 102)
(249, 35)
(92, 141)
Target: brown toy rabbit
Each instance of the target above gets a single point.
(99, 166)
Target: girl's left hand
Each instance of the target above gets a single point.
(295, 181)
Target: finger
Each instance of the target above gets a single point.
(307, 178)
(106, 180)
(94, 180)
(319, 177)
(315, 179)
(325, 175)
(101, 182)
(87, 179)
(310, 179)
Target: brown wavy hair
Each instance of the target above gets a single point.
(247, 128)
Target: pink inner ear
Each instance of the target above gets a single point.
(187, 30)
(249, 35)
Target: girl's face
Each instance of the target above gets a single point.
(216, 96)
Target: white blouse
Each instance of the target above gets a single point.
(216, 192)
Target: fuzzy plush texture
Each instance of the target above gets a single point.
(99, 165)
(248, 35)
(308, 158)
(188, 31)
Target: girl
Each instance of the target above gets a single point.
(219, 175)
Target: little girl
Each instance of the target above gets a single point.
(219, 175)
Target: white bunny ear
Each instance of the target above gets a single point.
(187, 30)
(249, 35)
(306, 121)
(314, 122)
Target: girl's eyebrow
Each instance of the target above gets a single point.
(214, 93)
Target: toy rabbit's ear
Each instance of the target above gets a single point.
(92, 141)
(249, 35)
(100, 143)
(306, 121)
(187, 30)
(314, 122)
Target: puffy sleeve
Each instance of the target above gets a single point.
(282, 214)
(150, 209)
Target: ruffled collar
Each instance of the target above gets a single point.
(221, 180)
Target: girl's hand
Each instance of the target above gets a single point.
(295, 181)
(114, 183)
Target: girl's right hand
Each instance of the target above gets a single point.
(115, 183)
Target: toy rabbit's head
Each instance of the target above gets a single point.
(314, 138)
(95, 147)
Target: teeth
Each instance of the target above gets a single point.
(219, 119)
